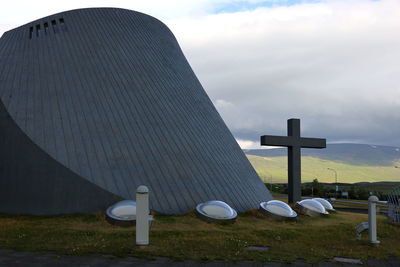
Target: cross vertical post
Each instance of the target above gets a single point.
(294, 162)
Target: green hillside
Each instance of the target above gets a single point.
(317, 168)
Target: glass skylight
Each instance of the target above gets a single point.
(278, 210)
(327, 205)
(311, 207)
(216, 210)
(124, 210)
(123, 213)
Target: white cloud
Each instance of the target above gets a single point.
(247, 144)
(223, 105)
(334, 64)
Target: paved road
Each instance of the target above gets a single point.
(10, 258)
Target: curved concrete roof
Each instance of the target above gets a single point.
(108, 95)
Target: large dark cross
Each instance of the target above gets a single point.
(294, 143)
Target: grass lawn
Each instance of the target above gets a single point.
(187, 237)
(312, 168)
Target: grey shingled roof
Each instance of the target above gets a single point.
(108, 95)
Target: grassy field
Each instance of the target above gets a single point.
(317, 168)
(187, 237)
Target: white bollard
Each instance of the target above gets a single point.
(142, 215)
(372, 200)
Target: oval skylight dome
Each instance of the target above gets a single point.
(311, 207)
(327, 205)
(122, 211)
(216, 210)
(277, 210)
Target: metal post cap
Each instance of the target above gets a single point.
(373, 199)
(142, 189)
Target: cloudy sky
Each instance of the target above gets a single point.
(335, 64)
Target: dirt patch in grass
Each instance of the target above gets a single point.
(187, 237)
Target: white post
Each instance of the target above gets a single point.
(142, 215)
(372, 200)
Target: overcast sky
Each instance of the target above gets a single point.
(333, 64)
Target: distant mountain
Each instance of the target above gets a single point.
(353, 154)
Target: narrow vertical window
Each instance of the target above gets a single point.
(46, 28)
(63, 26)
(30, 32)
(37, 30)
(54, 25)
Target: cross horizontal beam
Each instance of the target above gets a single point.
(273, 140)
(313, 142)
(289, 141)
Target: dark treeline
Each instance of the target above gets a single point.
(317, 189)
